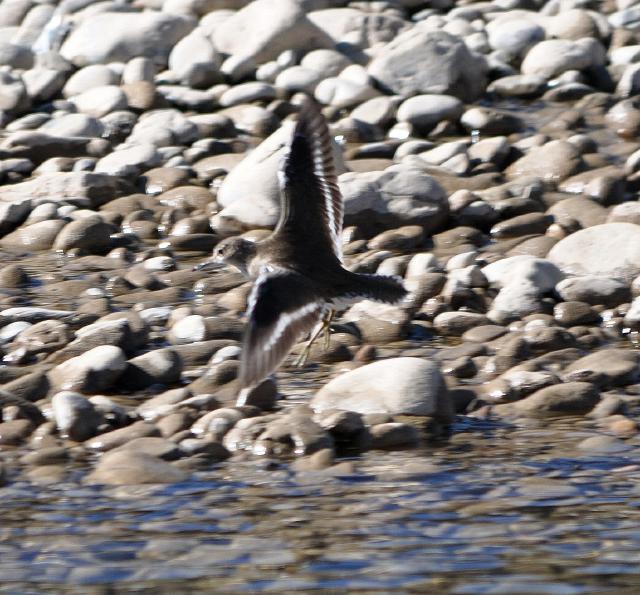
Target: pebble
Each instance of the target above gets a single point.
(131, 467)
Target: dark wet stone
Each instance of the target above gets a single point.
(344, 426)
(337, 351)
(173, 423)
(264, 395)
(163, 403)
(51, 455)
(529, 223)
(513, 350)
(463, 367)
(195, 242)
(610, 404)
(129, 467)
(295, 434)
(121, 436)
(30, 387)
(458, 236)
(12, 276)
(137, 326)
(318, 461)
(407, 237)
(570, 398)
(607, 367)
(90, 234)
(15, 432)
(211, 449)
(200, 352)
(457, 323)
(393, 435)
(152, 445)
(542, 338)
(24, 409)
(462, 350)
(575, 313)
(150, 299)
(216, 377)
(484, 333)
(160, 366)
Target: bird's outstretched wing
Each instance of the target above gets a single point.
(282, 306)
(311, 205)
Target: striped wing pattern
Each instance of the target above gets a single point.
(308, 181)
(282, 307)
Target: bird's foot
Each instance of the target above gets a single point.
(324, 327)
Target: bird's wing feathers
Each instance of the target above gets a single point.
(312, 206)
(282, 306)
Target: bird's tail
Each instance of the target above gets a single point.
(380, 288)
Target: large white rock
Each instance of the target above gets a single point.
(250, 194)
(358, 28)
(104, 37)
(74, 125)
(194, 59)
(401, 385)
(75, 416)
(164, 127)
(130, 161)
(425, 111)
(100, 101)
(93, 371)
(82, 188)
(523, 281)
(610, 249)
(554, 161)
(264, 28)
(552, 57)
(422, 61)
(514, 34)
(399, 195)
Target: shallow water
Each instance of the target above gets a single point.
(493, 509)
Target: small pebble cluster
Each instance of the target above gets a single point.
(487, 154)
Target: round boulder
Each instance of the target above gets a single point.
(610, 250)
(397, 386)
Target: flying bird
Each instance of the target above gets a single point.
(299, 272)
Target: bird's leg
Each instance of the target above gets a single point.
(324, 325)
(302, 358)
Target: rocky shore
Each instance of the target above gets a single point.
(488, 155)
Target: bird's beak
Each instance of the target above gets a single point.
(209, 265)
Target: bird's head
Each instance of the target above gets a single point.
(236, 252)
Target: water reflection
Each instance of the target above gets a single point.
(494, 510)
